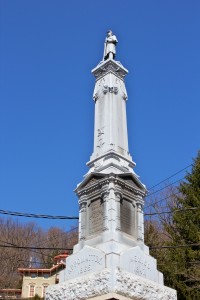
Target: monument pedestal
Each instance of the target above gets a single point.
(116, 272)
(110, 284)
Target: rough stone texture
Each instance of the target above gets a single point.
(136, 287)
(84, 287)
(110, 281)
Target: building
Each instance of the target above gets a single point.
(36, 280)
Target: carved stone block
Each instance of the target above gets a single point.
(122, 285)
(86, 261)
(135, 261)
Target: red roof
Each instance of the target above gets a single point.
(37, 270)
(65, 255)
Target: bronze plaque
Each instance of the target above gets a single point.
(127, 217)
(95, 217)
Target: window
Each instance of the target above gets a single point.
(31, 291)
(33, 275)
(44, 289)
(46, 275)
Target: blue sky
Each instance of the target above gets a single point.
(47, 51)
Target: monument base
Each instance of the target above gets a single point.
(110, 284)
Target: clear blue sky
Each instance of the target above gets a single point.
(47, 50)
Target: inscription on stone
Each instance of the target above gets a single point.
(95, 217)
(139, 265)
(136, 261)
(127, 217)
(86, 261)
(84, 264)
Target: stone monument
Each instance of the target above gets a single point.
(110, 260)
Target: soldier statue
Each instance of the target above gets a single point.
(110, 46)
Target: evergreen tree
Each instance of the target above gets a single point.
(182, 271)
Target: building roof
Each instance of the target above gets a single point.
(62, 255)
(39, 270)
(60, 265)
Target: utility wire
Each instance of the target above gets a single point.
(173, 247)
(27, 215)
(51, 248)
(72, 229)
(33, 262)
(41, 216)
(169, 177)
(65, 217)
(177, 263)
(164, 187)
(146, 214)
(174, 194)
(13, 245)
(34, 248)
(169, 212)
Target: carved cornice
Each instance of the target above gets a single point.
(112, 154)
(103, 184)
(110, 66)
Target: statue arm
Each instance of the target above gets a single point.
(112, 39)
(115, 39)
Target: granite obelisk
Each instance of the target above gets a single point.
(110, 260)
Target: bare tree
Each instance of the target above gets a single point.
(28, 236)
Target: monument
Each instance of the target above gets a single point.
(110, 260)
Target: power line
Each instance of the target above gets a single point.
(173, 247)
(178, 263)
(169, 212)
(72, 229)
(65, 217)
(34, 248)
(164, 187)
(25, 248)
(61, 217)
(27, 215)
(33, 262)
(174, 194)
(51, 248)
(170, 177)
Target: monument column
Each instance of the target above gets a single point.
(140, 221)
(82, 217)
(104, 195)
(118, 196)
(110, 260)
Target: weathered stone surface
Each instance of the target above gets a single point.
(138, 288)
(127, 217)
(135, 261)
(95, 217)
(88, 260)
(81, 288)
(110, 281)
